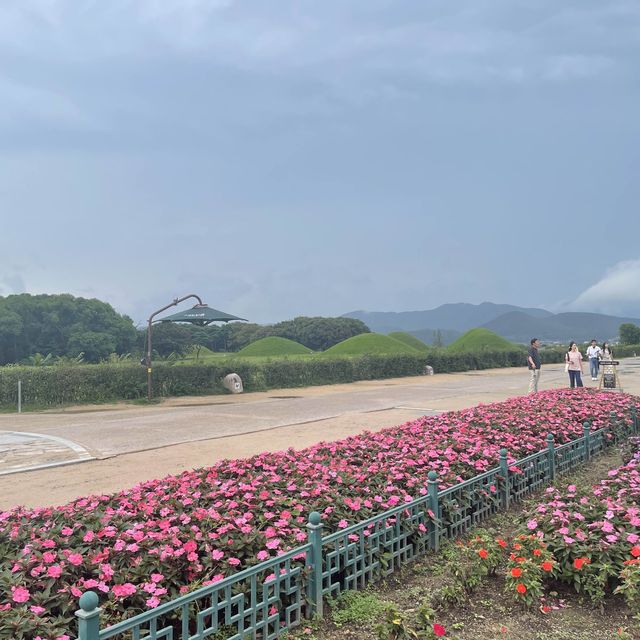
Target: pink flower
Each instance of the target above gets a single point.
(217, 555)
(152, 602)
(123, 590)
(19, 594)
(532, 524)
(49, 557)
(75, 559)
(36, 609)
(54, 571)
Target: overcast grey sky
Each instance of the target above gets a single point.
(312, 158)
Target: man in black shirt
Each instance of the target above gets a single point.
(533, 359)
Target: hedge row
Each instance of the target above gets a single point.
(55, 386)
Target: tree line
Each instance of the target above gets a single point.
(316, 333)
(629, 333)
(39, 328)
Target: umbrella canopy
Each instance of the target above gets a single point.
(201, 315)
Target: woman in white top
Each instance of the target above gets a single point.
(573, 358)
(607, 351)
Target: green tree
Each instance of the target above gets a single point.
(629, 333)
(10, 331)
(47, 323)
(319, 333)
(170, 337)
(95, 345)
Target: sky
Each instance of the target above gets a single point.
(313, 158)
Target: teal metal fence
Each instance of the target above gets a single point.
(261, 602)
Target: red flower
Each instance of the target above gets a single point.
(635, 551)
(579, 562)
(516, 572)
(501, 542)
(438, 630)
(483, 553)
(521, 588)
(537, 552)
(547, 566)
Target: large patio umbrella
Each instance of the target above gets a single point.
(201, 314)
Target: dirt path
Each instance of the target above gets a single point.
(132, 444)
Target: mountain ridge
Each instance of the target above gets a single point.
(517, 324)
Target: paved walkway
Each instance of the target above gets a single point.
(21, 451)
(124, 444)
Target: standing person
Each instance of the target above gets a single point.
(573, 358)
(594, 353)
(534, 362)
(607, 351)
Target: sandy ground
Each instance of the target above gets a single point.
(133, 444)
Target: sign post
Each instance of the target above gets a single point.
(609, 377)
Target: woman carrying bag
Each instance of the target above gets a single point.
(573, 365)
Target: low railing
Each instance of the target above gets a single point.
(263, 601)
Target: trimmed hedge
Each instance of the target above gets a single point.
(58, 385)
(55, 386)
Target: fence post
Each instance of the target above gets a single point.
(551, 453)
(614, 424)
(504, 472)
(634, 419)
(88, 617)
(314, 563)
(434, 507)
(587, 440)
(19, 396)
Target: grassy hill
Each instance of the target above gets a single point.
(480, 340)
(410, 341)
(202, 353)
(373, 343)
(274, 346)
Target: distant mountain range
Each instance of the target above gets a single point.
(518, 324)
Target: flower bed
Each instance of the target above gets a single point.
(165, 537)
(593, 535)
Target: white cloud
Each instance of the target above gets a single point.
(617, 292)
(22, 102)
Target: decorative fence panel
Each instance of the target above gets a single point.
(261, 602)
(532, 474)
(375, 547)
(466, 504)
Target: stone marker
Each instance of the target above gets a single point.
(428, 370)
(233, 382)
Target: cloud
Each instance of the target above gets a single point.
(617, 292)
(12, 283)
(23, 102)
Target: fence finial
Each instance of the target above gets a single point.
(88, 617)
